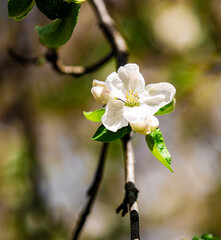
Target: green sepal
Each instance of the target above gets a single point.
(158, 148)
(59, 31)
(18, 9)
(95, 116)
(167, 108)
(104, 135)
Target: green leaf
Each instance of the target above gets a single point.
(167, 108)
(196, 238)
(158, 148)
(209, 237)
(53, 8)
(104, 135)
(95, 116)
(18, 9)
(59, 31)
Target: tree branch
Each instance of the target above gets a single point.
(76, 71)
(52, 57)
(20, 59)
(91, 193)
(111, 33)
(131, 192)
(119, 50)
(121, 53)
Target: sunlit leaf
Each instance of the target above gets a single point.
(158, 148)
(167, 108)
(95, 116)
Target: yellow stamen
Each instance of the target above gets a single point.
(132, 99)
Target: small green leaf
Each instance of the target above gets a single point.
(196, 238)
(18, 9)
(158, 148)
(167, 108)
(95, 116)
(209, 237)
(104, 135)
(59, 31)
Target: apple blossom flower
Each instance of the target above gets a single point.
(129, 101)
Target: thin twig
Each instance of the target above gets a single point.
(91, 193)
(76, 71)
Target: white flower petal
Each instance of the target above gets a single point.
(157, 95)
(113, 118)
(100, 92)
(131, 77)
(133, 114)
(96, 83)
(116, 86)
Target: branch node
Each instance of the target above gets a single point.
(130, 197)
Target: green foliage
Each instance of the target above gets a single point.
(18, 9)
(167, 108)
(59, 31)
(206, 237)
(75, 1)
(53, 8)
(158, 148)
(104, 135)
(95, 116)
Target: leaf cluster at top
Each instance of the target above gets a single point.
(63, 12)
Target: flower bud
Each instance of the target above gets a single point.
(145, 126)
(100, 92)
(154, 123)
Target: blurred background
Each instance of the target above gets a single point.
(47, 159)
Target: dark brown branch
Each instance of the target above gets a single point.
(111, 33)
(91, 193)
(75, 71)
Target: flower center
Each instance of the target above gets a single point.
(132, 99)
